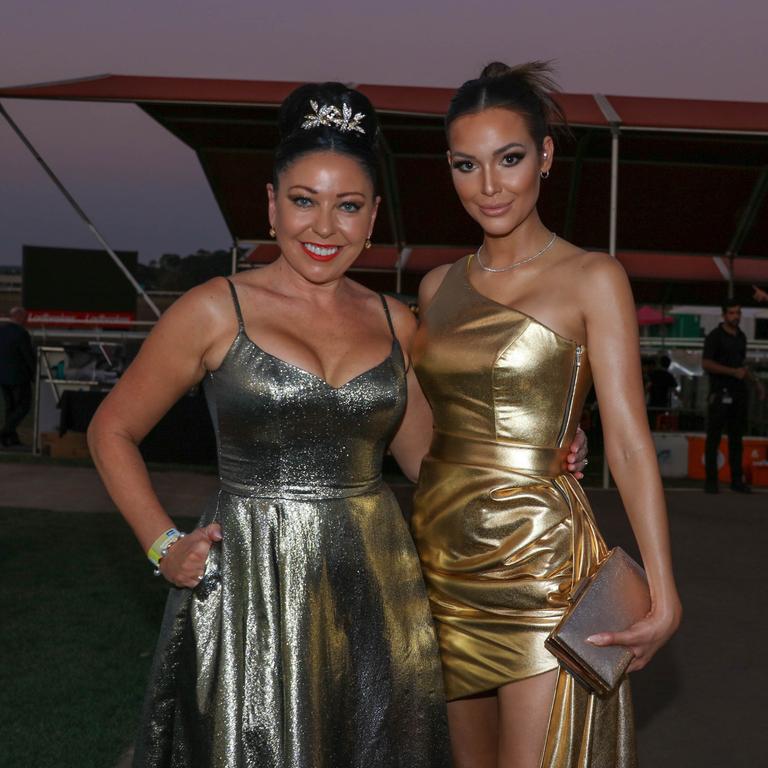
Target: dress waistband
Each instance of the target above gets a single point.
(298, 491)
(534, 459)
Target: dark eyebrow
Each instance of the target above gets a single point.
(499, 151)
(306, 189)
(509, 146)
(314, 191)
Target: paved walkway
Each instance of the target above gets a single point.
(78, 489)
(700, 703)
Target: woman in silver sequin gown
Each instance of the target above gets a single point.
(299, 634)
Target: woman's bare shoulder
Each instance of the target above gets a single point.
(198, 320)
(208, 302)
(586, 270)
(431, 282)
(601, 286)
(402, 317)
(599, 263)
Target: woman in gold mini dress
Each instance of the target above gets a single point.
(511, 338)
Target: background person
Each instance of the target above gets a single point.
(660, 385)
(723, 358)
(17, 370)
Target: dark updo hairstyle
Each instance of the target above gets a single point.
(525, 89)
(296, 140)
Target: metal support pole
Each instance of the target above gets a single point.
(43, 366)
(573, 191)
(401, 261)
(612, 245)
(392, 201)
(614, 190)
(747, 221)
(36, 411)
(80, 212)
(614, 120)
(731, 259)
(234, 257)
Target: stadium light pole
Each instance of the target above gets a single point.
(79, 211)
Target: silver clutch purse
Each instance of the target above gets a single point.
(613, 598)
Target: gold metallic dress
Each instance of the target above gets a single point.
(503, 531)
(309, 642)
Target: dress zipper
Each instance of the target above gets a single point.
(569, 400)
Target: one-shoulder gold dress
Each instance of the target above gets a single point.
(502, 529)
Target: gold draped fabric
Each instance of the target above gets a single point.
(503, 531)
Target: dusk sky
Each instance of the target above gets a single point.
(145, 190)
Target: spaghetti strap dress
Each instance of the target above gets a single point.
(309, 642)
(504, 532)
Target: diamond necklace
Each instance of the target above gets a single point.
(515, 264)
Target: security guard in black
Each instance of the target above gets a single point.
(725, 352)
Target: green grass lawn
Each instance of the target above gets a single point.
(79, 615)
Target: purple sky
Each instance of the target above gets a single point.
(145, 190)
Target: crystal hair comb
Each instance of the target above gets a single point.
(332, 117)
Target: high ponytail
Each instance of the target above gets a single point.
(526, 89)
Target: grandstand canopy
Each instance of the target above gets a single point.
(692, 175)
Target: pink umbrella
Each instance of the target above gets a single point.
(649, 316)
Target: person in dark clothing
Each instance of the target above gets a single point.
(725, 352)
(661, 384)
(17, 369)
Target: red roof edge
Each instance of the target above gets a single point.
(636, 112)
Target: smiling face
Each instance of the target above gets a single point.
(496, 166)
(322, 210)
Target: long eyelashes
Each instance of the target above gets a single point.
(508, 161)
(513, 158)
(347, 206)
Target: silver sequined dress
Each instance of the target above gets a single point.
(309, 642)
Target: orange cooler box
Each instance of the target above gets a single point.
(760, 473)
(755, 451)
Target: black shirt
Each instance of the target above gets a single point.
(662, 384)
(17, 358)
(727, 349)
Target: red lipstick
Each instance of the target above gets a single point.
(320, 252)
